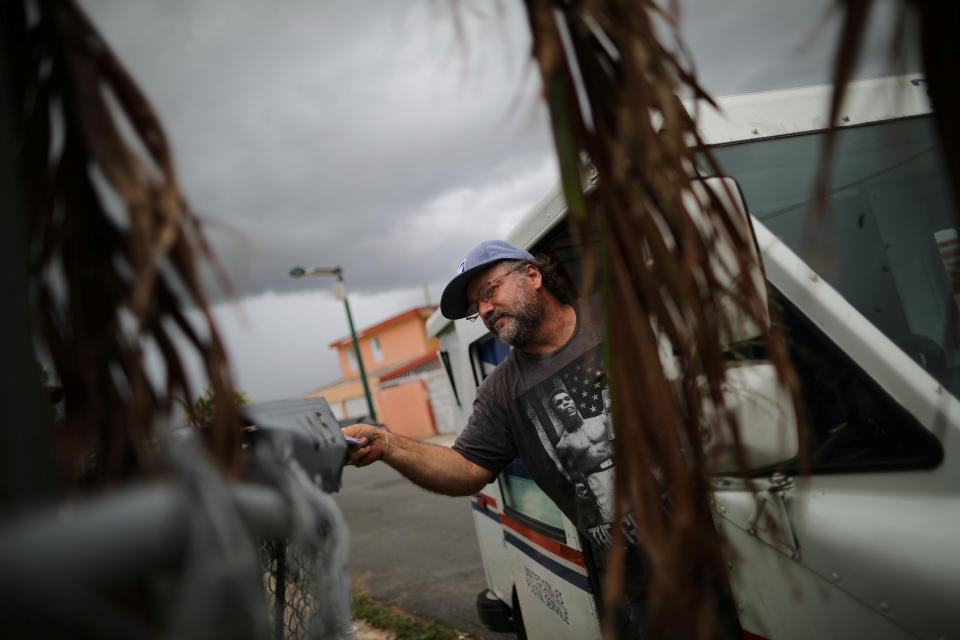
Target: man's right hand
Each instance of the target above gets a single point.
(435, 468)
(372, 445)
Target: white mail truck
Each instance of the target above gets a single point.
(867, 544)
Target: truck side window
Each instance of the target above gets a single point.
(524, 501)
(854, 425)
(486, 354)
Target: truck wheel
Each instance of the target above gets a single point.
(518, 627)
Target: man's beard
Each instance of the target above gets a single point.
(522, 323)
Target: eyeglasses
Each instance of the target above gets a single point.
(486, 292)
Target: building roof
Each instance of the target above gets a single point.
(390, 371)
(409, 365)
(423, 312)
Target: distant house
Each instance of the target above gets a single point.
(411, 393)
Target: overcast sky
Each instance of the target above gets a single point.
(384, 137)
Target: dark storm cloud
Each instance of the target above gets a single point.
(310, 132)
(742, 46)
(369, 134)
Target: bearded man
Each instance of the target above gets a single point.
(524, 303)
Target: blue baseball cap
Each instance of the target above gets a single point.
(453, 302)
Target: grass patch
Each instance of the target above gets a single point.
(402, 625)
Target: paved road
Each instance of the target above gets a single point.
(413, 549)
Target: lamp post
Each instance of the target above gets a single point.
(340, 291)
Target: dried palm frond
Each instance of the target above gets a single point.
(938, 24)
(612, 85)
(113, 247)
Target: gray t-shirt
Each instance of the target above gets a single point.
(553, 413)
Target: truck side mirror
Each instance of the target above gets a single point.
(730, 267)
(757, 402)
(766, 416)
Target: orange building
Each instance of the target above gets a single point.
(407, 381)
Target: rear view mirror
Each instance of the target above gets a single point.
(729, 271)
(764, 410)
(757, 402)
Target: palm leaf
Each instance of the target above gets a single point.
(113, 246)
(938, 24)
(611, 86)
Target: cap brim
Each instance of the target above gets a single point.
(453, 301)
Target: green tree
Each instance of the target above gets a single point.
(201, 411)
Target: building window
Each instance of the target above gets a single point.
(376, 350)
(351, 358)
(356, 408)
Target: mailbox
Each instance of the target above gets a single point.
(304, 429)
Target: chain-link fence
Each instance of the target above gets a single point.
(289, 587)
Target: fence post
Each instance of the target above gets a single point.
(281, 582)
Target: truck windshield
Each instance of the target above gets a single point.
(887, 239)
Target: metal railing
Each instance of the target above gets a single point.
(153, 561)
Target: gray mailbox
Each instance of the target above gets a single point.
(303, 428)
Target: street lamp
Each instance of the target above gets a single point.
(340, 291)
